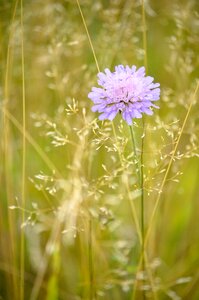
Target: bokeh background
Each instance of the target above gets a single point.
(67, 179)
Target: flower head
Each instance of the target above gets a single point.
(127, 91)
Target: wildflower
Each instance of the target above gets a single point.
(124, 91)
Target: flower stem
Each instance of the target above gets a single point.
(90, 253)
(140, 173)
(142, 201)
(23, 200)
(140, 176)
(136, 156)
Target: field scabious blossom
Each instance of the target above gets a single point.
(127, 91)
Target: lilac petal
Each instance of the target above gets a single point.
(147, 111)
(103, 116)
(136, 105)
(146, 103)
(108, 115)
(96, 99)
(127, 116)
(148, 80)
(133, 69)
(102, 78)
(119, 69)
(112, 115)
(153, 85)
(155, 94)
(98, 90)
(98, 107)
(107, 71)
(155, 97)
(128, 70)
(141, 72)
(153, 105)
(136, 114)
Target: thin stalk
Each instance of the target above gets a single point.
(144, 40)
(91, 274)
(88, 35)
(12, 285)
(132, 205)
(142, 182)
(140, 175)
(144, 36)
(22, 243)
(135, 153)
(90, 254)
(144, 253)
(142, 200)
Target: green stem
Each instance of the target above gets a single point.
(91, 275)
(142, 201)
(23, 200)
(142, 184)
(140, 174)
(136, 156)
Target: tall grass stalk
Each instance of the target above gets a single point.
(143, 125)
(135, 153)
(139, 170)
(128, 189)
(144, 36)
(88, 35)
(142, 200)
(90, 244)
(143, 263)
(12, 284)
(90, 254)
(23, 196)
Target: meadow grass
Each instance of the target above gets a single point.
(91, 209)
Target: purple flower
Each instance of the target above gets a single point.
(124, 91)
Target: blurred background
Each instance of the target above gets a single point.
(67, 180)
